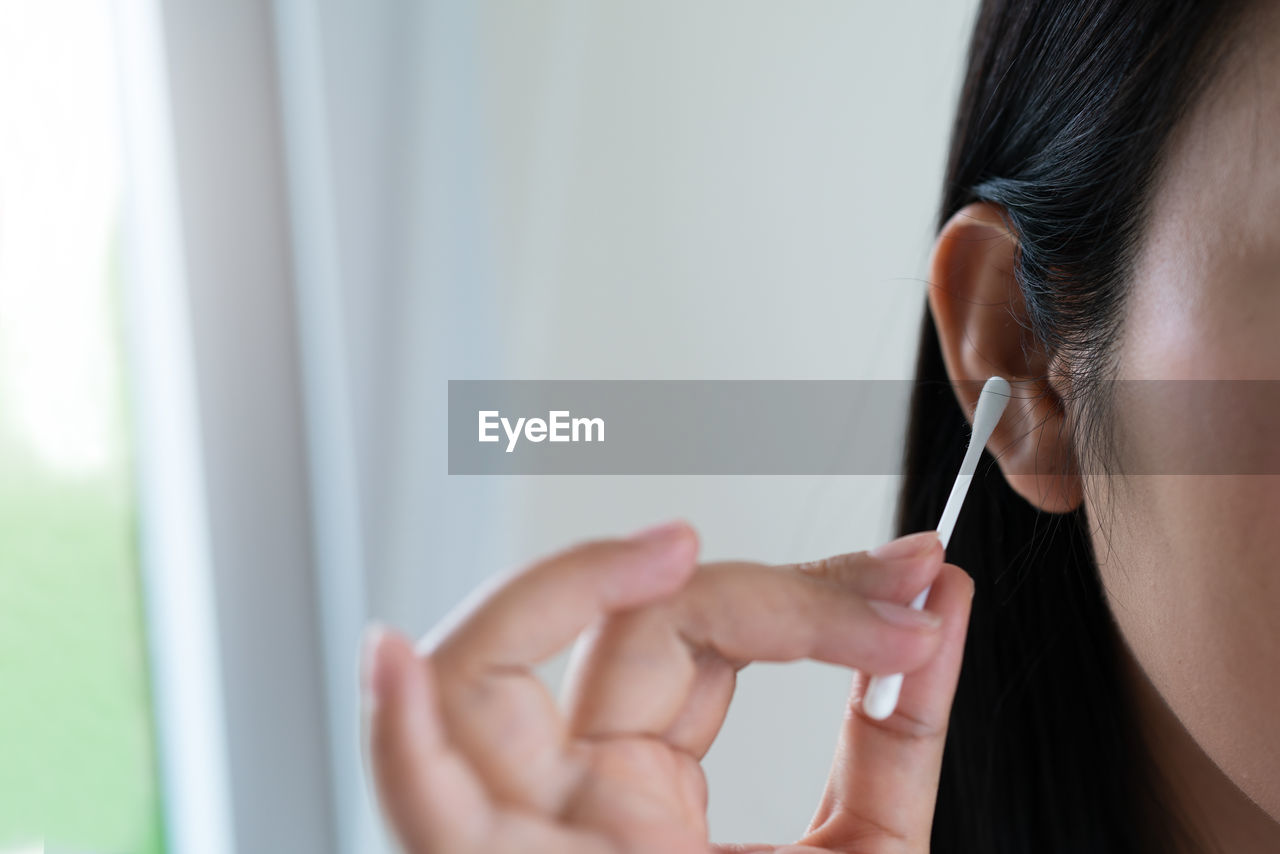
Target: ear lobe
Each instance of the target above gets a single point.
(981, 320)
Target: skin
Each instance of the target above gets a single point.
(1187, 560)
(471, 754)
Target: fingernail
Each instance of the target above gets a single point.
(901, 615)
(904, 547)
(372, 682)
(659, 534)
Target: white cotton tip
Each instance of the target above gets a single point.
(991, 405)
(881, 698)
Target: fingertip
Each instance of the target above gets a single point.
(933, 545)
(898, 579)
(666, 557)
(686, 549)
(391, 668)
(680, 546)
(689, 536)
(956, 582)
(675, 538)
(923, 569)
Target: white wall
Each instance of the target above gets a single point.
(579, 189)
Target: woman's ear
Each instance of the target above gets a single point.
(982, 326)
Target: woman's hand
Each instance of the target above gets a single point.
(471, 754)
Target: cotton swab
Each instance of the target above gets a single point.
(881, 697)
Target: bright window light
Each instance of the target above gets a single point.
(77, 757)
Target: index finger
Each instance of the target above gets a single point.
(519, 620)
(668, 672)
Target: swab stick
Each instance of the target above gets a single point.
(881, 697)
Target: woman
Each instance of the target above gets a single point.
(1110, 213)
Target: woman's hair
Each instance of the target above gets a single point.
(1062, 122)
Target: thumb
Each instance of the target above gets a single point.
(884, 780)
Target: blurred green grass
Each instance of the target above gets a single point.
(77, 762)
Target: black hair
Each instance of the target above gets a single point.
(1063, 117)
